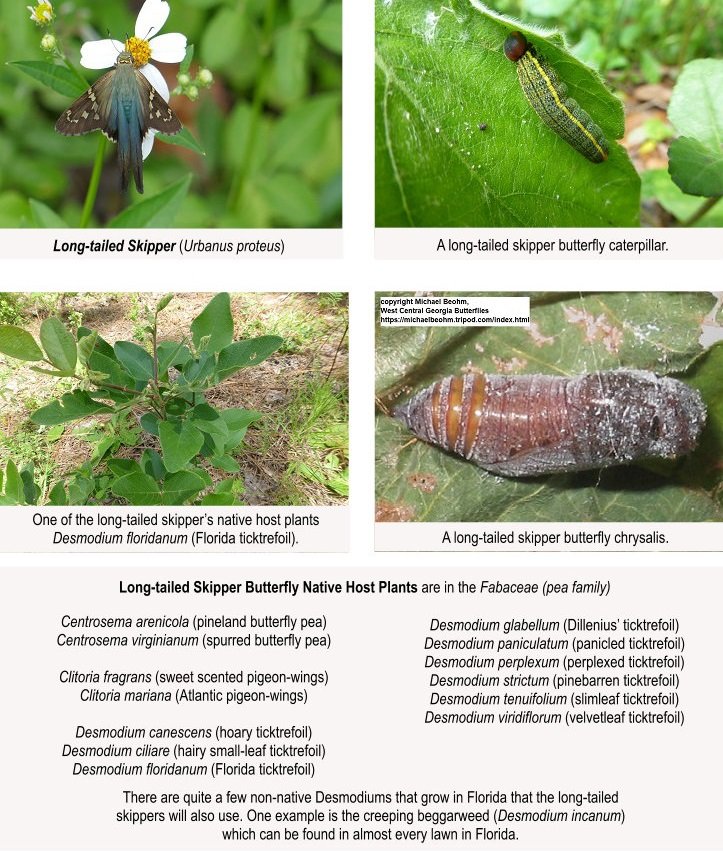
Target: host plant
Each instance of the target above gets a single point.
(163, 389)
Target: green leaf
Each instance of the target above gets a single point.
(123, 466)
(209, 421)
(238, 420)
(164, 302)
(327, 27)
(435, 167)
(71, 406)
(56, 77)
(305, 8)
(149, 422)
(138, 489)
(152, 464)
(652, 69)
(339, 483)
(704, 466)
(696, 112)
(180, 443)
(226, 463)
(31, 491)
(245, 353)
(182, 486)
(183, 139)
(44, 217)
(135, 359)
(101, 345)
(57, 495)
(215, 322)
(54, 433)
(572, 334)
(59, 345)
(18, 344)
(658, 184)
(171, 354)
(197, 371)
(219, 499)
(290, 76)
(299, 134)
(13, 484)
(696, 108)
(111, 367)
(697, 170)
(86, 346)
(156, 212)
(291, 200)
(222, 36)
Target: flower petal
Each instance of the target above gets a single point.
(153, 15)
(100, 54)
(147, 143)
(170, 47)
(155, 78)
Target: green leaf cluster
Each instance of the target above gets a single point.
(482, 157)
(636, 39)
(164, 389)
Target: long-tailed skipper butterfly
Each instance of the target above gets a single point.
(125, 107)
(547, 95)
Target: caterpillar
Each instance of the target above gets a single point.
(529, 425)
(547, 95)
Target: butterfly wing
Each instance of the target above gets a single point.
(90, 111)
(125, 106)
(159, 115)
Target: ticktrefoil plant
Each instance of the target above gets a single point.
(161, 390)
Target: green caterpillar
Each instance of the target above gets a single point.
(547, 95)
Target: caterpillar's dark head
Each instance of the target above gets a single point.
(515, 46)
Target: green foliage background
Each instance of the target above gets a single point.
(418, 481)
(270, 125)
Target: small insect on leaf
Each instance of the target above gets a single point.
(548, 96)
(529, 425)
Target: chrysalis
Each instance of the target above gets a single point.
(547, 95)
(529, 425)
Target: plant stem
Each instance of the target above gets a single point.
(94, 182)
(701, 211)
(336, 353)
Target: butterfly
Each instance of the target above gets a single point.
(125, 107)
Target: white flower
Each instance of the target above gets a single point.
(143, 46)
(42, 13)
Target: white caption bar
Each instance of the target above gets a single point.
(175, 529)
(274, 244)
(551, 243)
(454, 310)
(553, 537)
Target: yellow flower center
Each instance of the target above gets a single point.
(43, 13)
(139, 49)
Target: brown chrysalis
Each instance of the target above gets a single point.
(529, 425)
